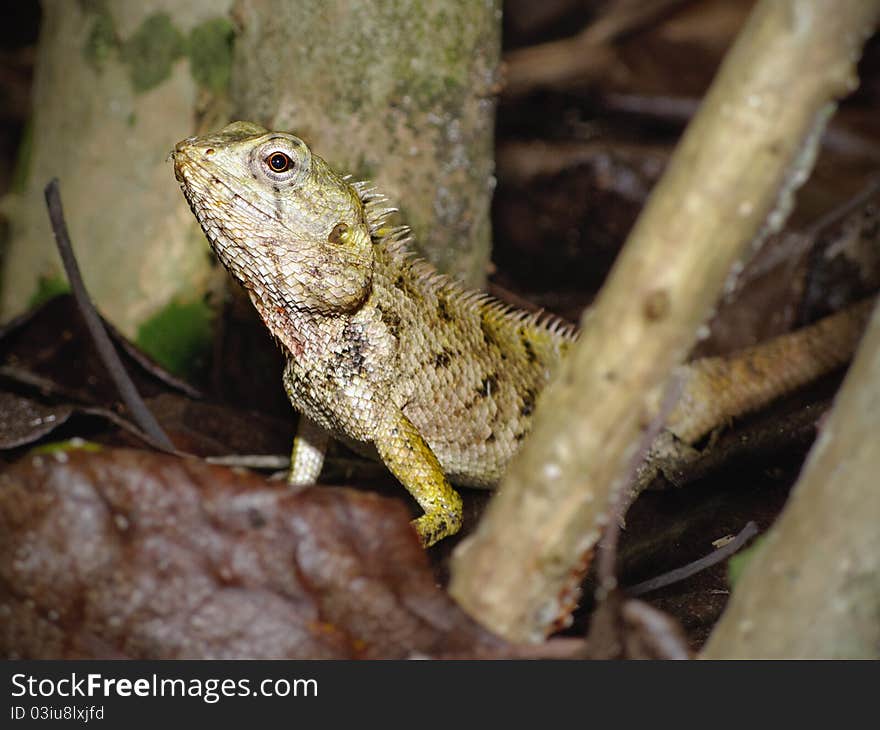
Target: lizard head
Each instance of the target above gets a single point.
(281, 221)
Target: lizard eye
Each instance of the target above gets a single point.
(279, 162)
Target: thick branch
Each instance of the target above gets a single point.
(751, 144)
(813, 589)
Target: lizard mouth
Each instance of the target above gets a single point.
(174, 157)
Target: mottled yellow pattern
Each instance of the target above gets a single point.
(382, 350)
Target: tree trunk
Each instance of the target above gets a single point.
(397, 92)
(116, 85)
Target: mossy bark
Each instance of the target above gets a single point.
(399, 91)
(116, 85)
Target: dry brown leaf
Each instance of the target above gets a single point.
(132, 554)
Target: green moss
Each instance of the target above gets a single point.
(48, 287)
(151, 52)
(58, 447)
(101, 41)
(441, 42)
(178, 336)
(737, 563)
(210, 54)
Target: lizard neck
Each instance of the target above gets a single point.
(298, 331)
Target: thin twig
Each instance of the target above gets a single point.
(628, 17)
(587, 56)
(837, 138)
(251, 461)
(127, 390)
(127, 425)
(606, 563)
(792, 245)
(686, 571)
(839, 212)
(676, 109)
(150, 366)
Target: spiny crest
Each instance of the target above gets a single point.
(397, 240)
(376, 208)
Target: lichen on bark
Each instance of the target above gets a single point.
(116, 85)
(400, 92)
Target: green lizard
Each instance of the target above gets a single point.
(384, 352)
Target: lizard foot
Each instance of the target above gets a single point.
(435, 525)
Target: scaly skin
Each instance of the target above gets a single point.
(384, 352)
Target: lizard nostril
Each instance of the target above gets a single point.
(209, 151)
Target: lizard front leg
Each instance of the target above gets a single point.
(307, 455)
(408, 456)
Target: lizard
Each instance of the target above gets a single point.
(386, 353)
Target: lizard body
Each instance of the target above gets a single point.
(385, 352)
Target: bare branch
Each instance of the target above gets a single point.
(732, 178)
(586, 56)
(697, 566)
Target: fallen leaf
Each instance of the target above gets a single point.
(23, 420)
(133, 554)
